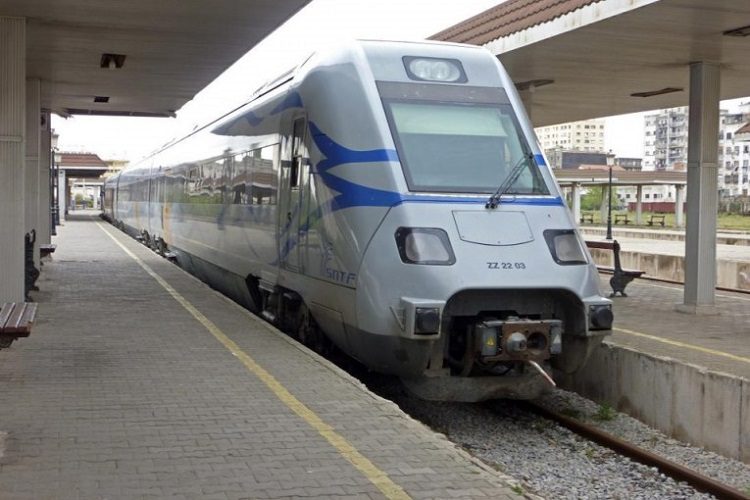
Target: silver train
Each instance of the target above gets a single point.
(389, 198)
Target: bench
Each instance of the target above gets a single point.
(16, 320)
(620, 277)
(654, 219)
(45, 250)
(622, 218)
(587, 218)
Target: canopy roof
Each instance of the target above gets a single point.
(579, 59)
(172, 49)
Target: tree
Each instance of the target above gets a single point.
(592, 200)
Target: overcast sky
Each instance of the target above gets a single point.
(333, 20)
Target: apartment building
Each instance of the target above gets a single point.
(734, 153)
(665, 144)
(584, 136)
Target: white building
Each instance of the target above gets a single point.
(734, 153)
(586, 135)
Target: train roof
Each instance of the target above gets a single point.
(374, 50)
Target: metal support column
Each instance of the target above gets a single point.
(33, 108)
(679, 195)
(12, 183)
(609, 205)
(702, 205)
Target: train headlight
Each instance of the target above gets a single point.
(565, 246)
(424, 245)
(434, 70)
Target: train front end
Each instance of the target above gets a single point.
(476, 284)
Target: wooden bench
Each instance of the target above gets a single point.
(587, 218)
(654, 219)
(45, 250)
(622, 218)
(16, 320)
(620, 277)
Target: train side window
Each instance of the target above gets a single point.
(261, 174)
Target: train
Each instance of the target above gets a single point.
(390, 200)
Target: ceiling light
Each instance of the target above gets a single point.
(743, 31)
(532, 84)
(112, 61)
(651, 93)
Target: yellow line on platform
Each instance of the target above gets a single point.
(684, 345)
(377, 477)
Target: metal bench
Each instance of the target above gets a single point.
(31, 271)
(654, 219)
(45, 250)
(16, 320)
(620, 277)
(622, 218)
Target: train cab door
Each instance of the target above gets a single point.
(292, 209)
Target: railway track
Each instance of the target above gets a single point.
(518, 439)
(674, 470)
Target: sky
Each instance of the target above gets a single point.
(132, 138)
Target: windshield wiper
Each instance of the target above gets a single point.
(512, 177)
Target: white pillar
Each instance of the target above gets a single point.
(679, 195)
(12, 123)
(639, 205)
(62, 201)
(576, 201)
(32, 143)
(605, 204)
(44, 227)
(702, 205)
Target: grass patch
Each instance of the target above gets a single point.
(605, 413)
(724, 221)
(517, 489)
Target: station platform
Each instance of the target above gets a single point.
(139, 381)
(684, 374)
(661, 254)
(672, 242)
(647, 320)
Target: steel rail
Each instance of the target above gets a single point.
(676, 471)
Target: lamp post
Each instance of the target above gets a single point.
(609, 206)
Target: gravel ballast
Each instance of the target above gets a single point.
(555, 463)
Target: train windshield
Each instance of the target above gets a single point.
(461, 147)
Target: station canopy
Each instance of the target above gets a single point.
(171, 49)
(580, 59)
